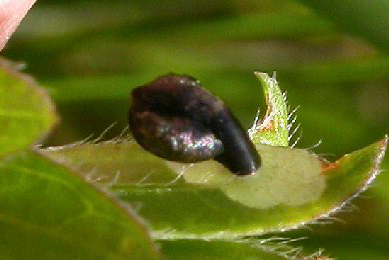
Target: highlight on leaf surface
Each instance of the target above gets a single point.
(293, 187)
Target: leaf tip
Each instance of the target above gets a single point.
(266, 81)
(260, 75)
(383, 144)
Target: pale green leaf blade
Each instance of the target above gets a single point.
(273, 128)
(46, 212)
(292, 188)
(26, 111)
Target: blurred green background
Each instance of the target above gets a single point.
(330, 56)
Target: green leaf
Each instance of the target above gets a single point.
(291, 188)
(269, 249)
(48, 213)
(350, 243)
(273, 129)
(25, 110)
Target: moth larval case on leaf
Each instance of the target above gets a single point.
(287, 176)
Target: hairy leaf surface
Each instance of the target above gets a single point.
(291, 188)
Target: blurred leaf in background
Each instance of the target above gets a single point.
(330, 57)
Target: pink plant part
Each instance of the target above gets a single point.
(11, 13)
